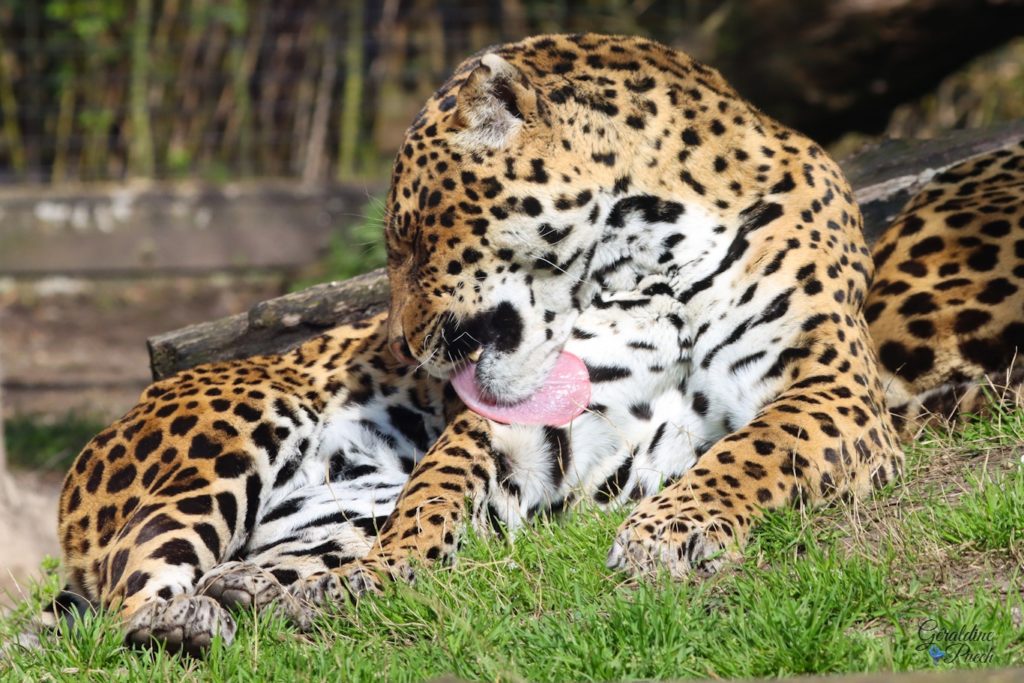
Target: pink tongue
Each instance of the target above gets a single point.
(565, 395)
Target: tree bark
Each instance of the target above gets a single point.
(884, 178)
(141, 163)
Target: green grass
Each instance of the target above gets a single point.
(989, 516)
(43, 444)
(844, 589)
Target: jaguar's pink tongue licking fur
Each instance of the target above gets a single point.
(564, 395)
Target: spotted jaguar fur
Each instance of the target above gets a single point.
(605, 195)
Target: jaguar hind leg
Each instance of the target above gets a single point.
(166, 494)
(218, 463)
(150, 578)
(187, 600)
(186, 623)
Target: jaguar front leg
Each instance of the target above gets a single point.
(820, 439)
(429, 516)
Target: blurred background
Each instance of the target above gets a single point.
(167, 162)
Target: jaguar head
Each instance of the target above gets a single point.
(492, 223)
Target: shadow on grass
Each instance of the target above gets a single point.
(48, 444)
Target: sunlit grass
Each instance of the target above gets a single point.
(843, 589)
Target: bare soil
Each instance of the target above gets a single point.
(27, 534)
(76, 345)
(944, 476)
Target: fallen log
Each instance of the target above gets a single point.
(883, 177)
(270, 326)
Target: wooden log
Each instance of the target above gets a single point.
(884, 178)
(270, 326)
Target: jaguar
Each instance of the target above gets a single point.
(590, 223)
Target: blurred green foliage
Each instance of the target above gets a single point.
(221, 89)
(352, 252)
(43, 443)
(89, 19)
(229, 88)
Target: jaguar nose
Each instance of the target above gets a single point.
(401, 351)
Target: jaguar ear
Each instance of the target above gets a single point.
(493, 104)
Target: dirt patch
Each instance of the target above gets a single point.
(29, 535)
(940, 476)
(76, 345)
